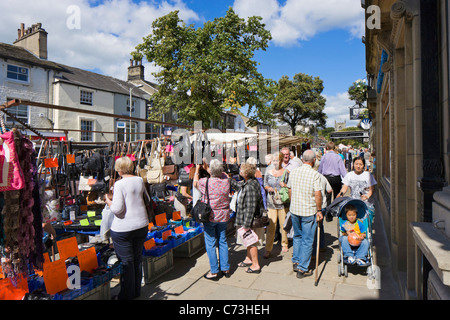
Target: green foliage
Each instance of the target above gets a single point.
(351, 129)
(299, 101)
(358, 92)
(326, 132)
(205, 71)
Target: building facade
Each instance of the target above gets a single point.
(25, 73)
(407, 63)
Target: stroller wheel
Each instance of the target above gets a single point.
(340, 273)
(345, 271)
(370, 273)
(339, 258)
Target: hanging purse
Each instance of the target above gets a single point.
(260, 219)
(284, 191)
(154, 172)
(170, 172)
(276, 198)
(202, 211)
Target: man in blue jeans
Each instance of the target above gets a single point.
(305, 191)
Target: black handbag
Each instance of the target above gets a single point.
(260, 219)
(202, 211)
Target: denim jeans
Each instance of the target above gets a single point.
(128, 247)
(304, 231)
(215, 236)
(350, 251)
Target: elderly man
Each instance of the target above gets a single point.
(288, 163)
(305, 191)
(332, 167)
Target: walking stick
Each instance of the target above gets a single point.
(317, 255)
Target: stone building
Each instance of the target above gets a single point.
(407, 62)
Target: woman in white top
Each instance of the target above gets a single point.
(129, 227)
(361, 183)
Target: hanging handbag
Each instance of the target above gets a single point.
(183, 177)
(154, 172)
(284, 191)
(202, 211)
(170, 172)
(260, 219)
(276, 198)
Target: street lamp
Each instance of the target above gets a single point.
(131, 104)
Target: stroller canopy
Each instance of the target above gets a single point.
(336, 208)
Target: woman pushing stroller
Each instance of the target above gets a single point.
(354, 232)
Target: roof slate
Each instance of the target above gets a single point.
(70, 74)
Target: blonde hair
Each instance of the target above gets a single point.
(125, 165)
(249, 170)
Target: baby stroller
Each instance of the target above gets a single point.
(337, 209)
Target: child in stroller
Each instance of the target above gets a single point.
(353, 238)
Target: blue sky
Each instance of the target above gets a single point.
(321, 38)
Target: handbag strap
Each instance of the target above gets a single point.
(207, 192)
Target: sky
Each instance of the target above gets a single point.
(317, 37)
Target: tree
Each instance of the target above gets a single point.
(207, 70)
(358, 92)
(299, 101)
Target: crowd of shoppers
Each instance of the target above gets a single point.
(311, 181)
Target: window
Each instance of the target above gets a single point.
(124, 127)
(20, 112)
(128, 106)
(17, 73)
(87, 126)
(86, 97)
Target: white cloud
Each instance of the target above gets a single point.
(299, 20)
(337, 109)
(107, 34)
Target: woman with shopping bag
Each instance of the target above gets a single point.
(249, 206)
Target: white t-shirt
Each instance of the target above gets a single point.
(128, 205)
(359, 184)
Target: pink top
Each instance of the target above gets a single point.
(219, 190)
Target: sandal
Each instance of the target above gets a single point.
(244, 264)
(302, 274)
(250, 270)
(226, 273)
(209, 276)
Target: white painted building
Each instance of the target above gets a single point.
(25, 73)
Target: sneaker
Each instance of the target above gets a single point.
(362, 263)
(349, 260)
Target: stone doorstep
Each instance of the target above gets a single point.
(435, 246)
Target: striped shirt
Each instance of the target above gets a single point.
(303, 182)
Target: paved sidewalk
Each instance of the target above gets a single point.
(277, 281)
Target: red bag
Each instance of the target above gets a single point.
(11, 175)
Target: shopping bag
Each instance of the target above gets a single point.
(107, 219)
(248, 236)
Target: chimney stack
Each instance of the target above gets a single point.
(34, 39)
(135, 70)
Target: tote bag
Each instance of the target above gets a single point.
(11, 177)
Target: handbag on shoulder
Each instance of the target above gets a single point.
(202, 211)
